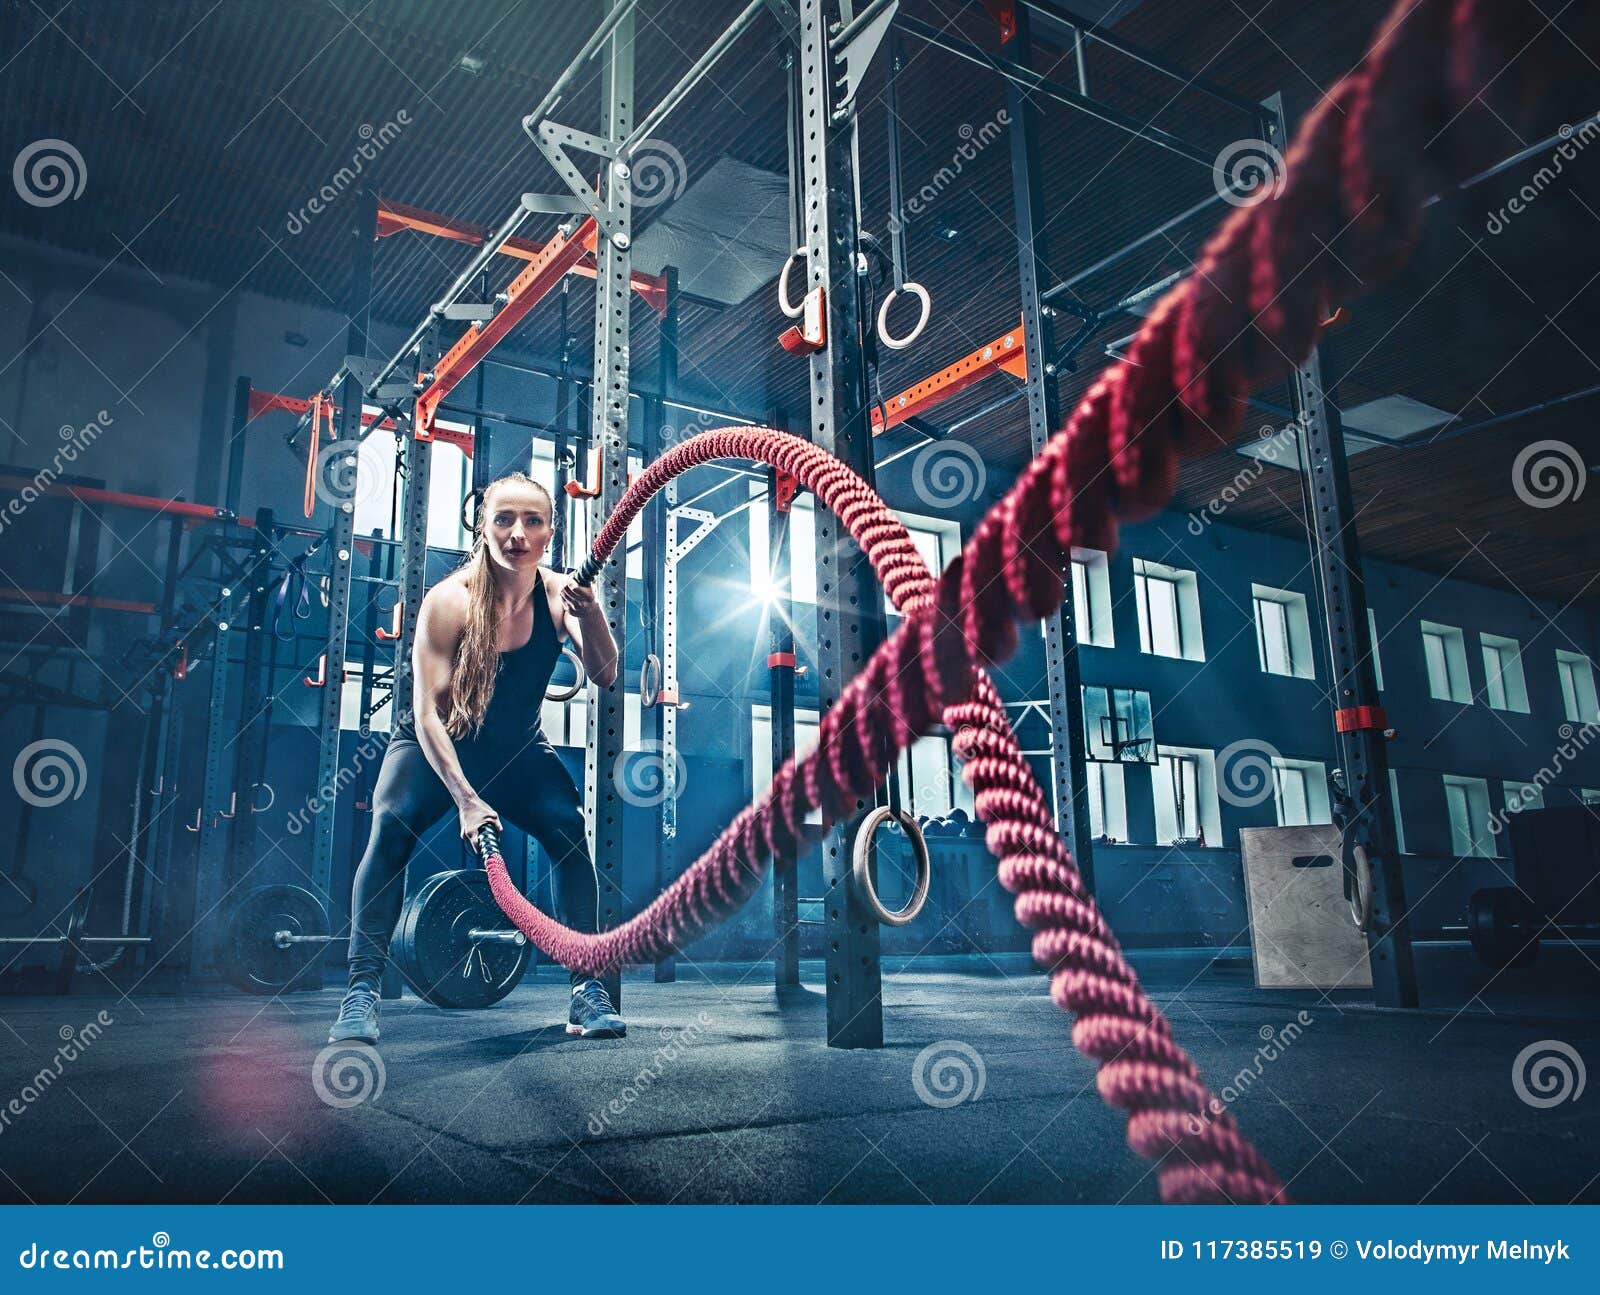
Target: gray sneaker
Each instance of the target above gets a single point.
(358, 1017)
(592, 1015)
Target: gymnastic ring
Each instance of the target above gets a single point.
(862, 852)
(469, 510)
(272, 798)
(900, 343)
(567, 694)
(650, 693)
(788, 307)
(1359, 890)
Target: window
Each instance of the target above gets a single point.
(1446, 653)
(1502, 673)
(1108, 801)
(1091, 597)
(1468, 802)
(802, 548)
(1300, 792)
(936, 538)
(1377, 657)
(1523, 795)
(1577, 687)
(449, 479)
(1283, 632)
(1184, 781)
(1169, 611)
(805, 741)
(926, 782)
(1394, 804)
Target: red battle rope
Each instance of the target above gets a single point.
(1362, 166)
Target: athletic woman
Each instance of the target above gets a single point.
(487, 641)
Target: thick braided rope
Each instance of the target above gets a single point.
(1361, 166)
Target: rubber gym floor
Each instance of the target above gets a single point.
(724, 1091)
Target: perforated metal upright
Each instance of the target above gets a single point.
(664, 845)
(340, 487)
(850, 618)
(413, 543)
(1331, 524)
(1069, 778)
(609, 430)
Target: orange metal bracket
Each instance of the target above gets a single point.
(811, 333)
(393, 217)
(266, 402)
(578, 490)
(393, 632)
(1008, 352)
(535, 282)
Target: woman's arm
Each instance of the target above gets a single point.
(439, 625)
(586, 622)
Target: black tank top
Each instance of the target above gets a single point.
(513, 716)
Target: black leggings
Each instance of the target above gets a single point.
(531, 790)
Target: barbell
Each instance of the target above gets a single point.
(72, 939)
(447, 944)
(1503, 927)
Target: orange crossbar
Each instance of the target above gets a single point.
(1008, 352)
(536, 281)
(393, 217)
(265, 402)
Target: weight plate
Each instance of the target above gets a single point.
(1501, 928)
(250, 959)
(67, 958)
(433, 952)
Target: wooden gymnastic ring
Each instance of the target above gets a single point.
(650, 694)
(789, 308)
(900, 343)
(567, 694)
(861, 852)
